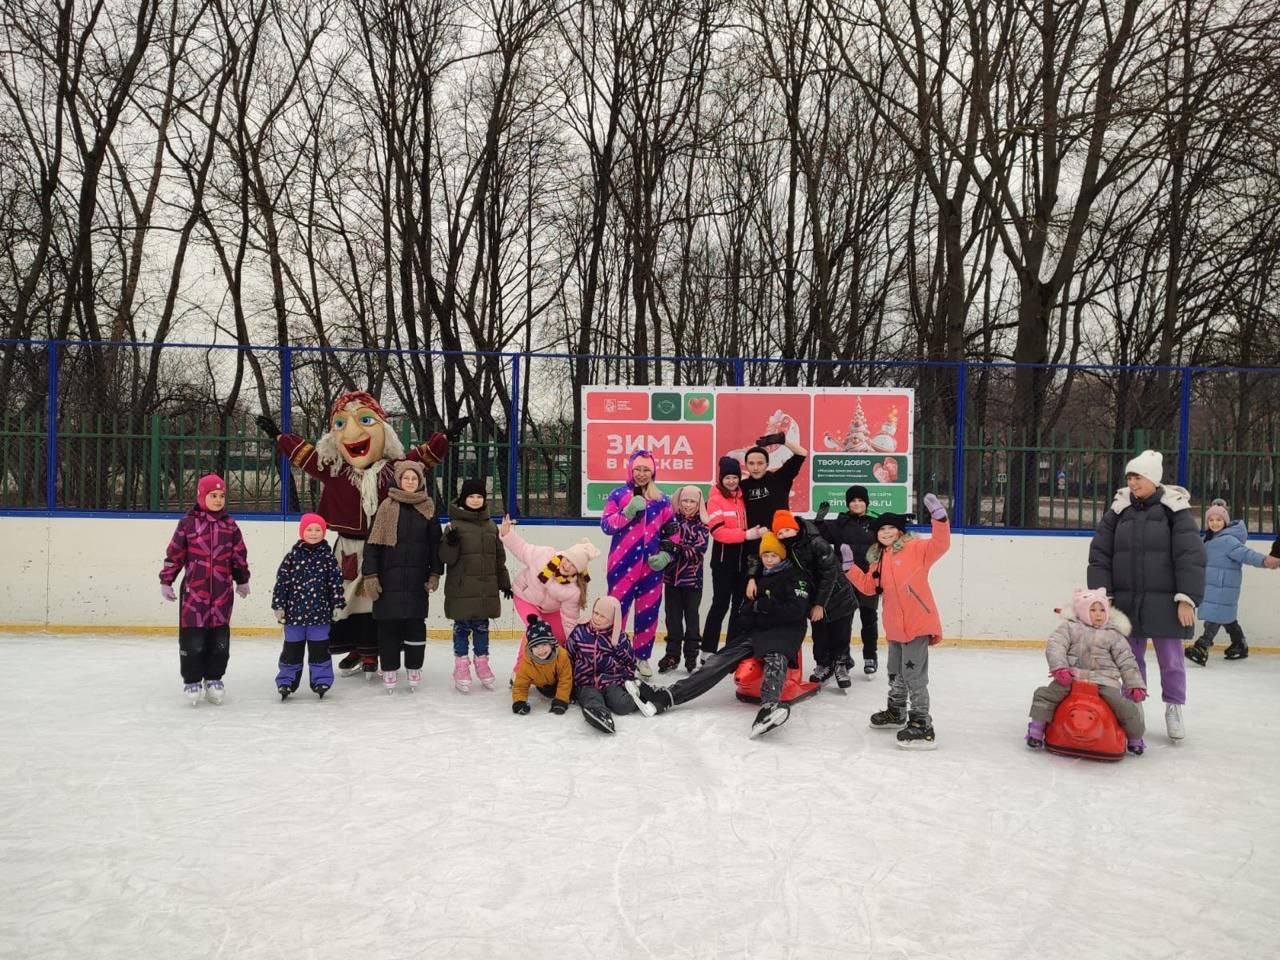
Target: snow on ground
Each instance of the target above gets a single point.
(440, 825)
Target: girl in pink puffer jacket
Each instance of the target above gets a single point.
(1092, 645)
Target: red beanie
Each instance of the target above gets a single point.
(308, 519)
(208, 483)
(784, 520)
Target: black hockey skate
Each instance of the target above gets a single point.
(917, 735)
(321, 689)
(770, 716)
(1237, 650)
(822, 672)
(350, 665)
(668, 663)
(659, 698)
(869, 667)
(602, 720)
(284, 690)
(889, 717)
(1198, 652)
(842, 675)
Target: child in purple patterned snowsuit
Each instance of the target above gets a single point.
(638, 516)
(683, 579)
(209, 551)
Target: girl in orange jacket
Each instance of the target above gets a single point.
(898, 571)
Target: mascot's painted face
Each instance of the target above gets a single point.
(360, 433)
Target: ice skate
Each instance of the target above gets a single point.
(644, 670)
(822, 672)
(771, 715)
(890, 716)
(1035, 735)
(193, 692)
(389, 680)
(1198, 652)
(602, 720)
(842, 675)
(668, 663)
(462, 674)
(1236, 650)
(1173, 721)
(284, 690)
(415, 679)
(869, 667)
(483, 673)
(1136, 747)
(642, 704)
(659, 698)
(321, 689)
(214, 691)
(350, 665)
(917, 735)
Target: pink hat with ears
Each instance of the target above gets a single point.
(308, 519)
(208, 483)
(1082, 600)
(611, 606)
(690, 490)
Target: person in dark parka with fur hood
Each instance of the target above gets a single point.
(1148, 555)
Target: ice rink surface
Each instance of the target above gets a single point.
(440, 825)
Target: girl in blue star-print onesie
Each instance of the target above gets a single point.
(308, 589)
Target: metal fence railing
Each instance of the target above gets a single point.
(129, 427)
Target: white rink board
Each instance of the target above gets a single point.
(104, 572)
(438, 825)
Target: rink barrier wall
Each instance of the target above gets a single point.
(100, 574)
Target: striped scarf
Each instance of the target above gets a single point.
(552, 572)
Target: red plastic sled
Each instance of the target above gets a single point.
(1084, 726)
(750, 674)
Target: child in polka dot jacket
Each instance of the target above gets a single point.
(309, 587)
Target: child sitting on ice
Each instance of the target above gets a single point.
(604, 666)
(546, 667)
(772, 625)
(1092, 645)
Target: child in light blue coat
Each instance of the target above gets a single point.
(1226, 552)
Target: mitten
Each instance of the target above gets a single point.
(267, 425)
(667, 546)
(371, 588)
(455, 431)
(166, 591)
(771, 438)
(659, 561)
(669, 529)
(935, 507)
(451, 537)
(508, 594)
(558, 706)
(520, 707)
(634, 507)
(1136, 694)
(1063, 675)
(279, 612)
(433, 581)
(242, 590)
(823, 509)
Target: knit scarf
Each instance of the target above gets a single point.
(874, 551)
(552, 572)
(385, 523)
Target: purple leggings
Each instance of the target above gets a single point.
(1173, 666)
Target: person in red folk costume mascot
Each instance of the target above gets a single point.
(355, 464)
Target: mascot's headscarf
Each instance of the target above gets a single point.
(359, 445)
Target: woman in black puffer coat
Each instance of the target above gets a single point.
(401, 566)
(1148, 555)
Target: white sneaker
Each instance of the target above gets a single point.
(193, 692)
(214, 691)
(389, 680)
(644, 670)
(1173, 721)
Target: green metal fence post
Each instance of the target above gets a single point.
(155, 463)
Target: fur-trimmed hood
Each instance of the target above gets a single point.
(1172, 496)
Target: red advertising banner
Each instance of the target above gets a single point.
(852, 435)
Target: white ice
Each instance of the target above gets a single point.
(133, 825)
